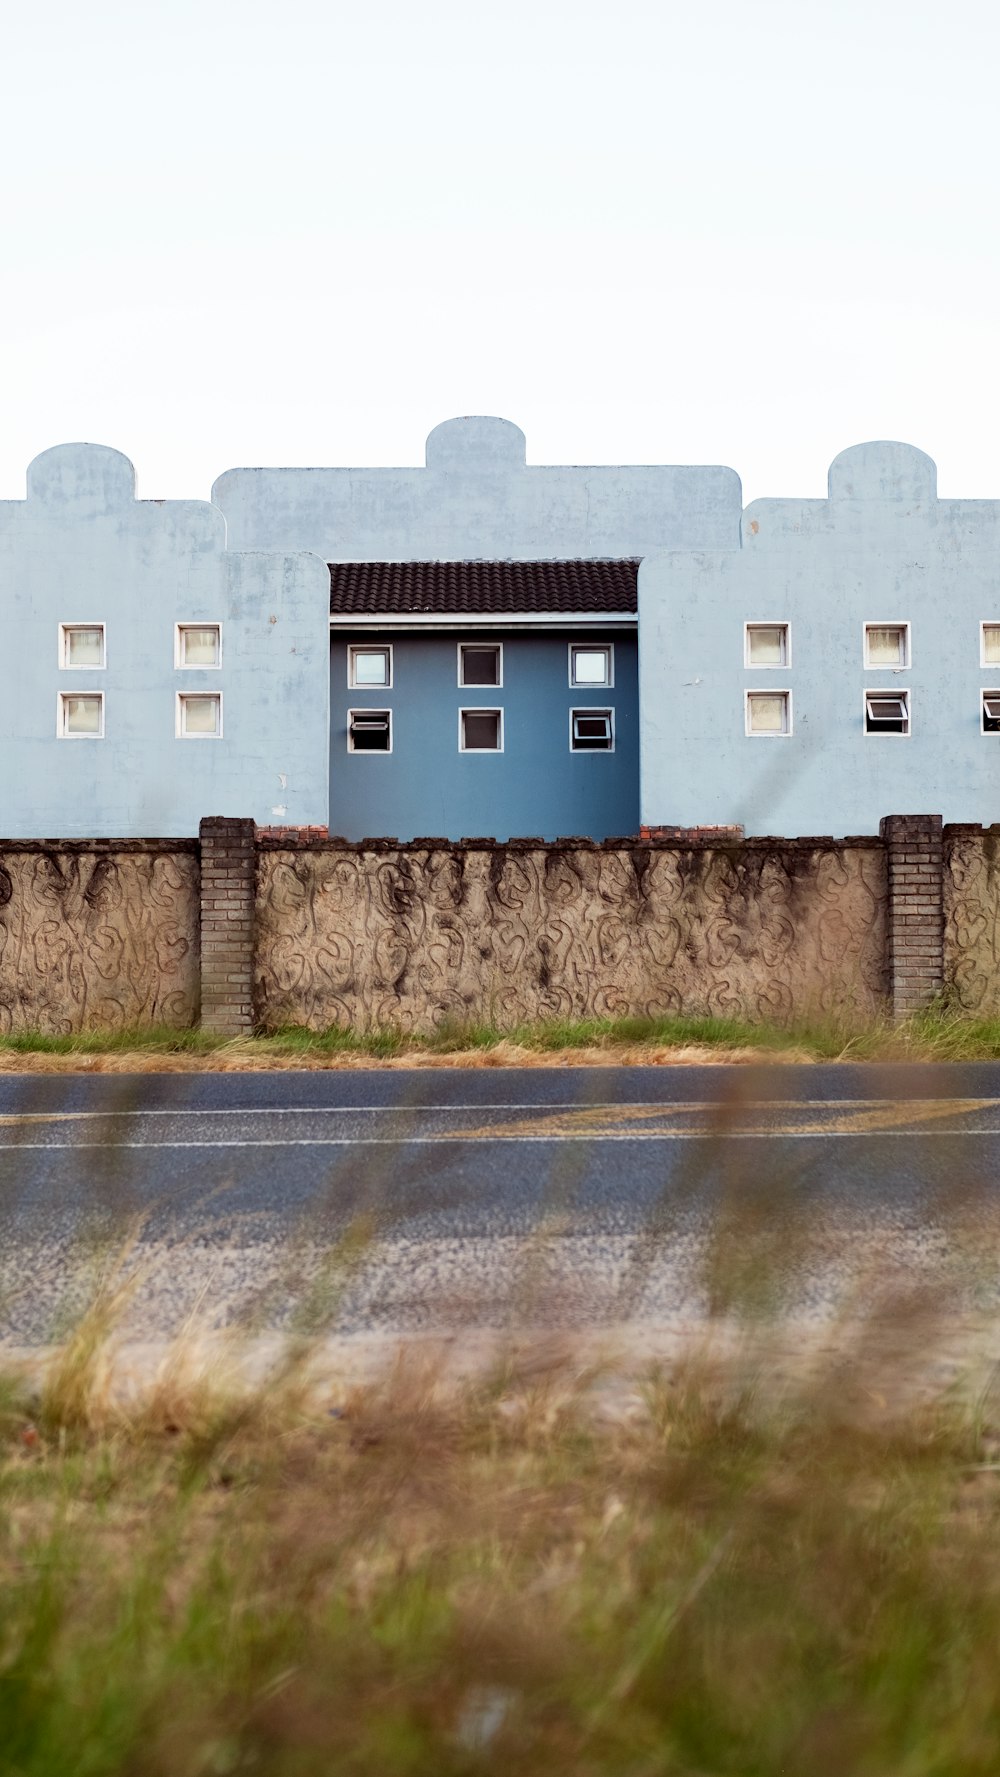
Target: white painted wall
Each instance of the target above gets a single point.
(82, 549)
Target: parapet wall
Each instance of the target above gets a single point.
(243, 928)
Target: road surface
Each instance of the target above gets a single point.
(395, 1200)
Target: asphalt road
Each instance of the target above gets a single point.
(405, 1199)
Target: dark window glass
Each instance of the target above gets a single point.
(370, 731)
(591, 731)
(481, 730)
(480, 666)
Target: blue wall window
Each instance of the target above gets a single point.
(592, 664)
(80, 717)
(480, 731)
(592, 731)
(369, 731)
(81, 646)
(369, 666)
(480, 663)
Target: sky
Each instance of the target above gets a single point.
(647, 232)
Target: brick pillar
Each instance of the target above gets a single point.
(228, 860)
(915, 865)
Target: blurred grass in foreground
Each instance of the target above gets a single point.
(934, 1035)
(720, 1576)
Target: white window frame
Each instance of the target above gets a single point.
(902, 691)
(371, 752)
(185, 666)
(180, 732)
(65, 664)
(987, 623)
(355, 648)
(481, 709)
(482, 647)
(887, 623)
(757, 666)
(766, 733)
(62, 698)
(608, 648)
(592, 710)
(986, 692)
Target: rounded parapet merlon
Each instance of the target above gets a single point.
(474, 443)
(883, 470)
(82, 478)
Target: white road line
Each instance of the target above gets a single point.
(453, 1141)
(680, 1106)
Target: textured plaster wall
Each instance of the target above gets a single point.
(972, 919)
(97, 938)
(882, 547)
(413, 938)
(476, 499)
(82, 549)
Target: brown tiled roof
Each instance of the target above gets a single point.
(480, 588)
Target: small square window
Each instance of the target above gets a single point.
(887, 645)
(81, 645)
(991, 712)
(198, 644)
(766, 644)
(199, 715)
(768, 713)
(591, 664)
(81, 717)
(480, 731)
(989, 650)
(887, 712)
(480, 665)
(369, 731)
(591, 731)
(369, 666)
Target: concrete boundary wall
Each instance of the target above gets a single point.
(246, 928)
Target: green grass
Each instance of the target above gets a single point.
(497, 1580)
(936, 1035)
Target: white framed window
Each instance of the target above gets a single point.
(592, 663)
(887, 646)
(369, 731)
(592, 731)
(82, 647)
(768, 714)
(887, 712)
(369, 665)
(767, 644)
(480, 663)
(199, 715)
(80, 715)
(989, 644)
(197, 645)
(989, 712)
(480, 731)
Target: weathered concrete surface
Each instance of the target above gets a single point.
(416, 938)
(972, 919)
(97, 938)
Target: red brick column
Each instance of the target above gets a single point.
(915, 866)
(228, 889)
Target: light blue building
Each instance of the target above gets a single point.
(480, 647)
(483, 677)
(838, 661)
(155, 676)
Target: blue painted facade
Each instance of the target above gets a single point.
(537, 785)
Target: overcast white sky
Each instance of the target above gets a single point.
(686, 231)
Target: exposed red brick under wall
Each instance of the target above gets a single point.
(228, 891)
